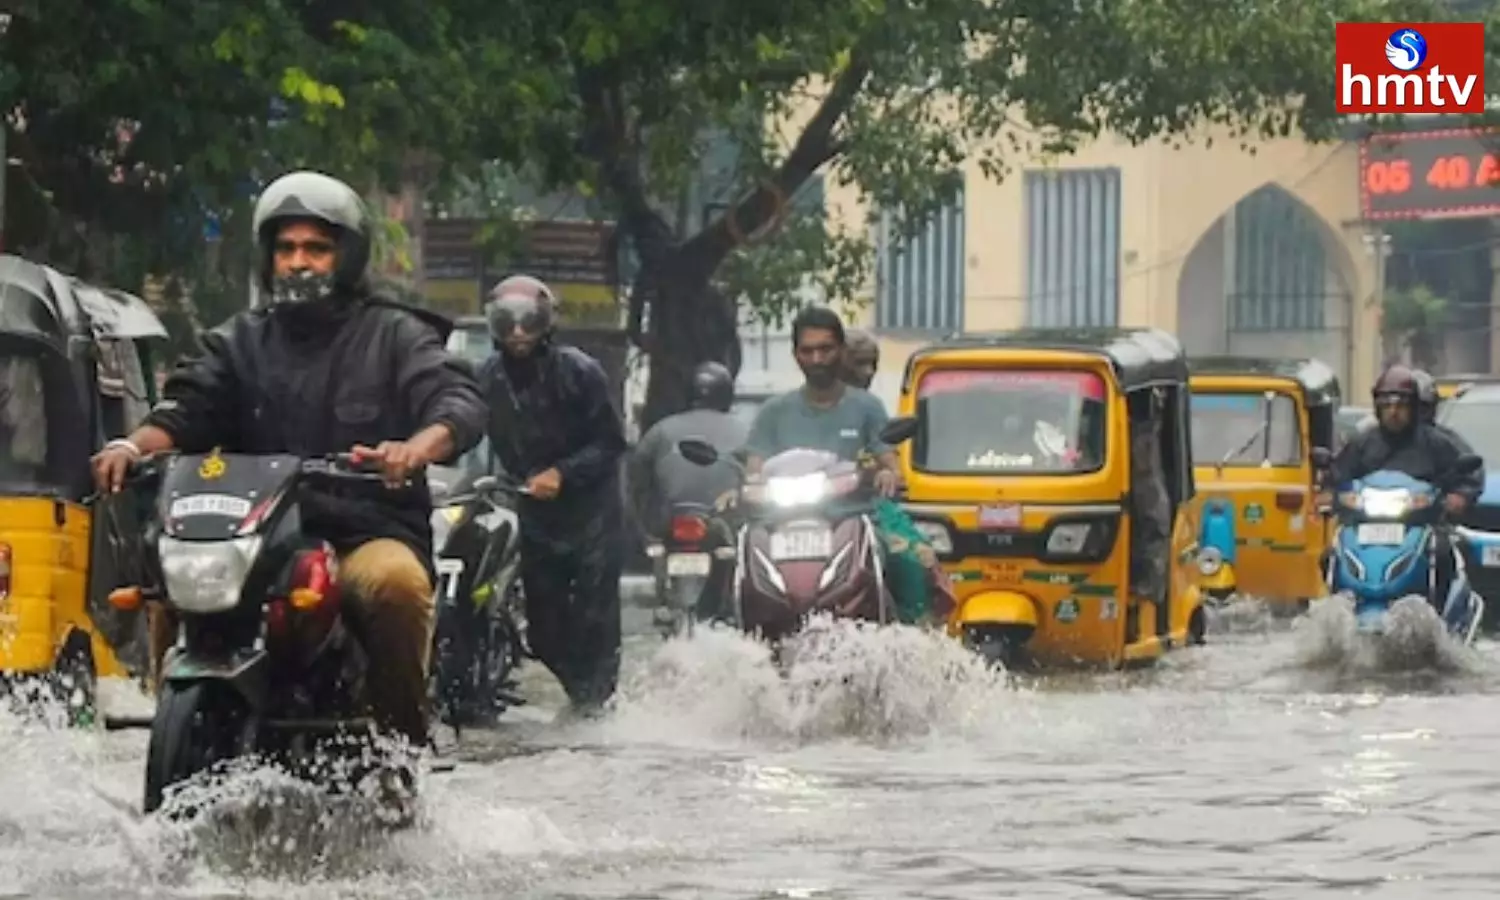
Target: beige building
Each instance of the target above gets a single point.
(1234, 252)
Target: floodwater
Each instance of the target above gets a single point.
(1273, 763)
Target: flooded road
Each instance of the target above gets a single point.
(891, 766)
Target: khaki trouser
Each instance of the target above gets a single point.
(388, 602)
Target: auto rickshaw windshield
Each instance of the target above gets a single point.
(1031, 421)
(1233, 429)
(23, 421)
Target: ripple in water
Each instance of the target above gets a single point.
(843, 679)
(1416, 640)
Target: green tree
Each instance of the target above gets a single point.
(135, 124)
(893, 96)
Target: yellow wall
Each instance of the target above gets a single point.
(1171, 199)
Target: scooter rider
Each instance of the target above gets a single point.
(658, 476)
(1404, 443)
(331, 365)
(1427, 403)
(552, 424)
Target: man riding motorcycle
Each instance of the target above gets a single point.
(828, 413)
(1403, 442)
(658, 476)
(330, 366)
(552, 424)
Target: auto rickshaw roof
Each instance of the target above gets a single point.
(40, 302)
(1319, 383)
(1141, 357)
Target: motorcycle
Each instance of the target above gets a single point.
(686, 566)
(478, 643)
(264, 664)
(807, 543)
(1384, 550)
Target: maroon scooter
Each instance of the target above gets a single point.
(806, 543)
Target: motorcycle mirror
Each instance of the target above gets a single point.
(485, 483)
(899, 430)
(698, 452)
(1322, 457)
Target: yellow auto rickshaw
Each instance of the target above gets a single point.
(1050, 473)
(72, 375)
(1257, 426)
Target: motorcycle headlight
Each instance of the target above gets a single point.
(936, 534)
(1068, 538)
(799, 491)
(1381, 504)
(205, 577)
(1210, 560)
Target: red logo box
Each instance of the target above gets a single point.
(1427, 67)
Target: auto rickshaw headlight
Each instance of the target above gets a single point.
(936, 534)
(1210, 560)
(1069, 537)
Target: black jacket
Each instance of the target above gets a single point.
(1424, 451)
(377, 372)
(555, 411)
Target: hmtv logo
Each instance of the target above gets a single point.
(1433, 67)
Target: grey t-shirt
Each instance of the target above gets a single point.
(788, 421)
(658, 475)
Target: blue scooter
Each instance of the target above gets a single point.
(1384, 550)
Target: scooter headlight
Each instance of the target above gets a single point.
(802, 490)
(1386, 504)
(205, 577)
(1210, 560)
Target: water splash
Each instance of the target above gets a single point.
(1242, 614)
(842, 679)
(1415, 640)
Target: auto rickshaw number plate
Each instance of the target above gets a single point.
(1491, 556)
(1381, 533)
(801, 543)
(1000, 515)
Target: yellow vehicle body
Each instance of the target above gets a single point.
(1011, 588)
(1262, 535)
(44, 615)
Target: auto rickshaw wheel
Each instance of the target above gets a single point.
(999, 645)
(197, 726)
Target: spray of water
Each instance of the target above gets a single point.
(1240, 615)
(837, 679)
(1415, 640)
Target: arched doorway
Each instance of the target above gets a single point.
(1263, 281)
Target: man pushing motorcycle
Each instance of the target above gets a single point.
(330, 365)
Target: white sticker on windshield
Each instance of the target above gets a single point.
(210, 505)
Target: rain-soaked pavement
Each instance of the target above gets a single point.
(1265, 765)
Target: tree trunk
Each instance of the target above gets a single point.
(689, 322)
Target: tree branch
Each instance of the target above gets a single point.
(816, 146)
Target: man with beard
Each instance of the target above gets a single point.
(331, 366)
(552, 424)
(825, 413)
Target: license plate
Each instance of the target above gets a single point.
(689, 564)
(1490, 557)
(1381, 533)
(801, 543)
(226, 505)
(1000, 515)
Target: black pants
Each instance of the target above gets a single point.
(1444, 545)
(573, 614)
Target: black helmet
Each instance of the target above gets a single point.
(713, 387)
(521, 301)
(1398, 381)
(1427, 397)
(315, 196)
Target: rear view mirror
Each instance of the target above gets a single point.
(698, 452)
(899, 430)
(1322, 457)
